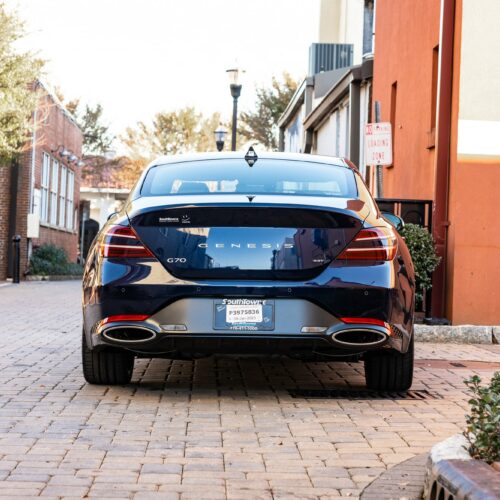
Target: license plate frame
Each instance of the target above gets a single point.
(220, 315)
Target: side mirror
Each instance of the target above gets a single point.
(110, 216)
(396, 221)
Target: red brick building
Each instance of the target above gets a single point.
(39, 193)
(437, 81)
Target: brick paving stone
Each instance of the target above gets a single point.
(405, 480)
(220, 427)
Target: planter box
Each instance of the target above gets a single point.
(451, 473)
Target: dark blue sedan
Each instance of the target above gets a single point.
(244, 254)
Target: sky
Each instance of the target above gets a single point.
(139, 57)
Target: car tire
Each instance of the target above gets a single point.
(389, 370)
(106, 367)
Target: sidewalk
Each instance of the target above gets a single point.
(216, 428)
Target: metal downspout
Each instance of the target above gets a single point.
(32, 179)
(443, 138)
(308, 102)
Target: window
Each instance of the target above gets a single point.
(44, 188)
(296, 178)
(53, 192)
(394, 107)
(368, 27)
(69, 200)
(62, 197)
(434, 90)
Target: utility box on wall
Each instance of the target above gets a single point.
(33, 226)
(329, 56)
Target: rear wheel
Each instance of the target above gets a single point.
(106, 367)
(389, 370)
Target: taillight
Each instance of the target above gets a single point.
(376, 243)
(365, 321)
(124, 317)
(122, 242)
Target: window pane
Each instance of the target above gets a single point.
(44, 184)
(69, 202)
(62, 197)
(53, 192)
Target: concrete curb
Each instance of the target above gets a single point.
(460, 334)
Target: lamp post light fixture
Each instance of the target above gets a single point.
(235, 86)
(220, 136)
(70, 157)
(61, 151)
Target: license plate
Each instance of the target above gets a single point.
(243, 314)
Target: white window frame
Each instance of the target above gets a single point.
(70, 200)
(62, 196)
(44, 188)
(54, 184)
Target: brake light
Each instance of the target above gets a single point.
(376, 243)
(366, 321)
(123, 242)
(124, 317)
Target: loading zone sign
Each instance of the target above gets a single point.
(378, 144)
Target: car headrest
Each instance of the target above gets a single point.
(193, 187)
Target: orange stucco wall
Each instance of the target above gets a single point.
(473, 295)
(405, 34)
(473, 251)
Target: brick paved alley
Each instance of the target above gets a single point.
(219, 427)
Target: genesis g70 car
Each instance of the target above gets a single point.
(243, 254)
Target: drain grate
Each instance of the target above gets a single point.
(421, 395)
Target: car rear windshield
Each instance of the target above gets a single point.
(297, 178)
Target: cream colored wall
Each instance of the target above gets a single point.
(102, 206)
(329, 17)
(473, 247)
(341, 21)
(479, 102)
(325, 138)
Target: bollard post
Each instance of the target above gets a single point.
(16, 268)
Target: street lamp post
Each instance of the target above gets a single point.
(235, 87)
(220, 136)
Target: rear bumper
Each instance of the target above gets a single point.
(300, 325)
(355, 290)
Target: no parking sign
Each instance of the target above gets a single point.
(378, 144)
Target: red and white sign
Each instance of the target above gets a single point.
(378, 144)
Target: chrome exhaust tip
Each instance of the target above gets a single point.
(129, 334)
(359, 338)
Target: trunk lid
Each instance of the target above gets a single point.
(228, 238)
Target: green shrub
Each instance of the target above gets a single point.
(483, 423)
(49, 260)
(422, 251)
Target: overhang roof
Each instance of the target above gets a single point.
(338, 91)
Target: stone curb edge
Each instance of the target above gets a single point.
(459, 334)
(403, 480)
(57, 277)
(452, 473)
